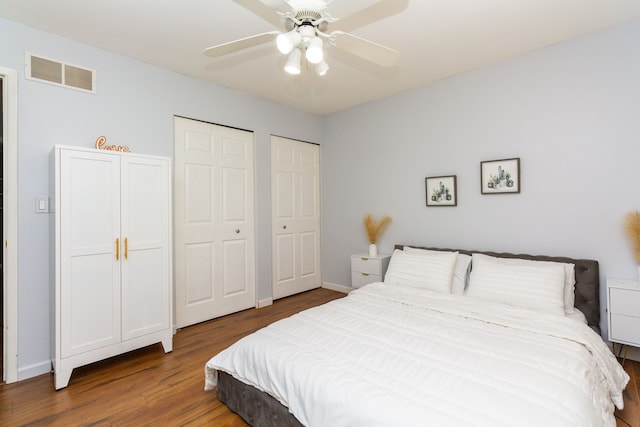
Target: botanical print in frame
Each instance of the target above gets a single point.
(441, 190)
(500, 176)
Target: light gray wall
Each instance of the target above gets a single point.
(134, 106)
(571, 112)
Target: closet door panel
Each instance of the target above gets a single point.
(214, 221)
(295, 203)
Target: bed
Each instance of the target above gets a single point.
(452, 337)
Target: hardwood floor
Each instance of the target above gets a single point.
(150, 388)
(147, 387)
(630, 415)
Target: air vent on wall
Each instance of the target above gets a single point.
(60, 74)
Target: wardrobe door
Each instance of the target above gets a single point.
(88, 297)
(146, 265)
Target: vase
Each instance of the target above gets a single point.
(373, 250)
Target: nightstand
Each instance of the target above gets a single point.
(623, 311)
(368, 269)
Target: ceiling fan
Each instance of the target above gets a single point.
(306, 24)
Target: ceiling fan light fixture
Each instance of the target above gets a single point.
(314, 53)
(321, 68)
(286, 42)
(293, 62)
(305, 26)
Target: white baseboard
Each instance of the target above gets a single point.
(264, 302)
(337, 288)
(34, 370)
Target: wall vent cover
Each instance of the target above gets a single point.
(59, 73)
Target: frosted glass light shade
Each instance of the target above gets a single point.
(314, 50)
(321, 68)
(286, 42)
(293, 62)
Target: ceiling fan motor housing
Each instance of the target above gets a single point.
(309, 17)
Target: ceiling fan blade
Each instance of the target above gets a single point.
(265, 9)
(340, 9)
(240, 44)
(279, 5)
(365, 49)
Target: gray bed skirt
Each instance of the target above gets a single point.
(257, 408)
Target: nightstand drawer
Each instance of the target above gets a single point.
(366, 265)
(359, 279)
(624, 301)
(367, 269)
(625, 329)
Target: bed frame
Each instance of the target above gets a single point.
(260, 409)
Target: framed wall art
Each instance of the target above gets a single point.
(500, 176)
(441, 190)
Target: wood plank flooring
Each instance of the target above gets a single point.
(630, 415)
(147, 387)
(150, 388)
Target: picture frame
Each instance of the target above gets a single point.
(500, 176)
(441, 190)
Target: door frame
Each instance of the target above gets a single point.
(10, 222)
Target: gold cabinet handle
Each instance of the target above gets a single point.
(126, 248)
(117, 249)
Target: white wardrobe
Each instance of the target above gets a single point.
(112, 246)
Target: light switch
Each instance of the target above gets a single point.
(42, 205)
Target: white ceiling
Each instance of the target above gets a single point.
(435, 38)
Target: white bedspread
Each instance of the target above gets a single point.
(398, 356)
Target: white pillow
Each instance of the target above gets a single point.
(460, 270)
(429, 271)
(569, 281)
(537, 286)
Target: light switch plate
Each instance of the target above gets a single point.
(42, 204)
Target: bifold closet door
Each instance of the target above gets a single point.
(295, 205)
(214, 221)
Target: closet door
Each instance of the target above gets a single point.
(214, 221)
(295, 204)
(146, 264)
(88, 253)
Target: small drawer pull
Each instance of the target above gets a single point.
(365, 274)
(364, 259)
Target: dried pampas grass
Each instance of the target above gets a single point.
(374, 231)
(632, 227)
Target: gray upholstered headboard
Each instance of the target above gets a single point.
(587, 280)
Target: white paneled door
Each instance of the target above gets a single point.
(295, 204)
(214, 221)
